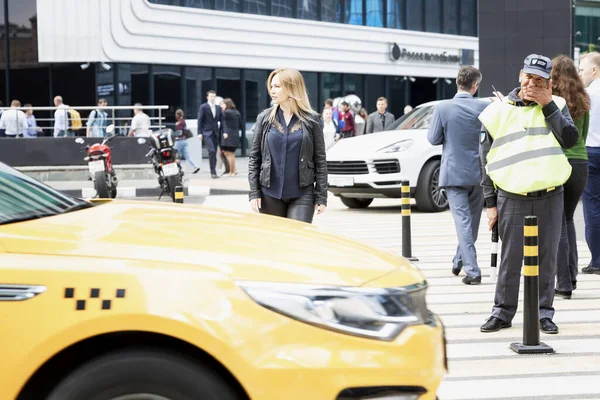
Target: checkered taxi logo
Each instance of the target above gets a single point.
(107, 297)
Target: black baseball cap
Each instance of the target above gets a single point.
(537, 64)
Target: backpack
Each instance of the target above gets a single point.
(74, 120)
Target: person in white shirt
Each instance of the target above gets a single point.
(61, 118)
(331, 129)
(13, 121)
(589, 71)
(140, 124)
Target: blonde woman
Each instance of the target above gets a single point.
(287, 169)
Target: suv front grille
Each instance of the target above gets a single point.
(347, 167)
(387, 166)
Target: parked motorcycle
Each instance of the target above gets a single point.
(100, 165)
(165, 162)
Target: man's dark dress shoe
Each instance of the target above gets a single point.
(564, 295)
(547, 326)
(458, 268)
(467, 280)
(590, 270)
(214, 176)
(494, 324)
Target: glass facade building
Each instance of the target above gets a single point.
(23, 77)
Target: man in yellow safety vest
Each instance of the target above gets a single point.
(523, 170)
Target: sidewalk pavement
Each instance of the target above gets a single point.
(200, 184)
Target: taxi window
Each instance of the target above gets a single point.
(22, 197)
(416, 119)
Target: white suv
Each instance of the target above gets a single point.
(373, 166)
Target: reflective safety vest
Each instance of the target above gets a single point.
(524, 156)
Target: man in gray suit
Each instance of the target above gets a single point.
(454, 125)
(380, 119)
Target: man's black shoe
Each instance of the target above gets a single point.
(574, 284)
(590, 270)
(494, 324)
(456, 270)
(563, 294)
(547, 326)
(476, 280)
(214, 176)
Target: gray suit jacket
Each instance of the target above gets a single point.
(374, 122)
(455, 126)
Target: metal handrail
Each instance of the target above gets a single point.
(160, 118)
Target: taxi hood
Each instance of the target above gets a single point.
(242, 246)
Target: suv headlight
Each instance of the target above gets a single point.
(368, 312)
(397, 147)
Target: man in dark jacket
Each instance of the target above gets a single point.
(209, 116)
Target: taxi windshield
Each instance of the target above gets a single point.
(23, 198)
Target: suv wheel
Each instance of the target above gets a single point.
(351, 202)
(429, 196)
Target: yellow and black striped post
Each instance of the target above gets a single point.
(178, 194)
(531, 287)
(406, 235)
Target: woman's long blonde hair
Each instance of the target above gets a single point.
(292, 83)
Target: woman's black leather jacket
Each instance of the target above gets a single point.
(313, 163)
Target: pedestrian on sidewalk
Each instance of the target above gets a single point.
(182, 134)
(13, 121)
(210, 116)
(567, 84)
(231, 133)
(522, 143)
(287, 168)
(454, 125)
(589, 71)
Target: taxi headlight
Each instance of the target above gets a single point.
(367, 312)
(397, 147)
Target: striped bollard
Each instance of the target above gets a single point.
(406, 235)
(494, 261)
(531, 286)
(178, 194)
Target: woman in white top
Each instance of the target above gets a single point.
(331, 129)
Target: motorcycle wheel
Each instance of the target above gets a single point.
(101, 185)
(172, 183)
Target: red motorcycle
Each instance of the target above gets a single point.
(100, 166)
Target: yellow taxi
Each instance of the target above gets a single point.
(124, 300)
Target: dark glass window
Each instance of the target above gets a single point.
(433, 16)
(198, 81)
(307, 9)
(4, 97)
(255, 7)
(133, 88)
(331, 10)
(282, 8)
(451, 17)
(354, 84)
(414, 17)
(332, 85)
(196, 3)
(374, 88)
(354, 12)
(257, 95)
(167, 90)
(312, 87)
(375, 12)
(395, 13)
(105, 87)
(468, 17)
(229, 85)
(228, 5)
(397, 99)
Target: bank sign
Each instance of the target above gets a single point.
(462, 57)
